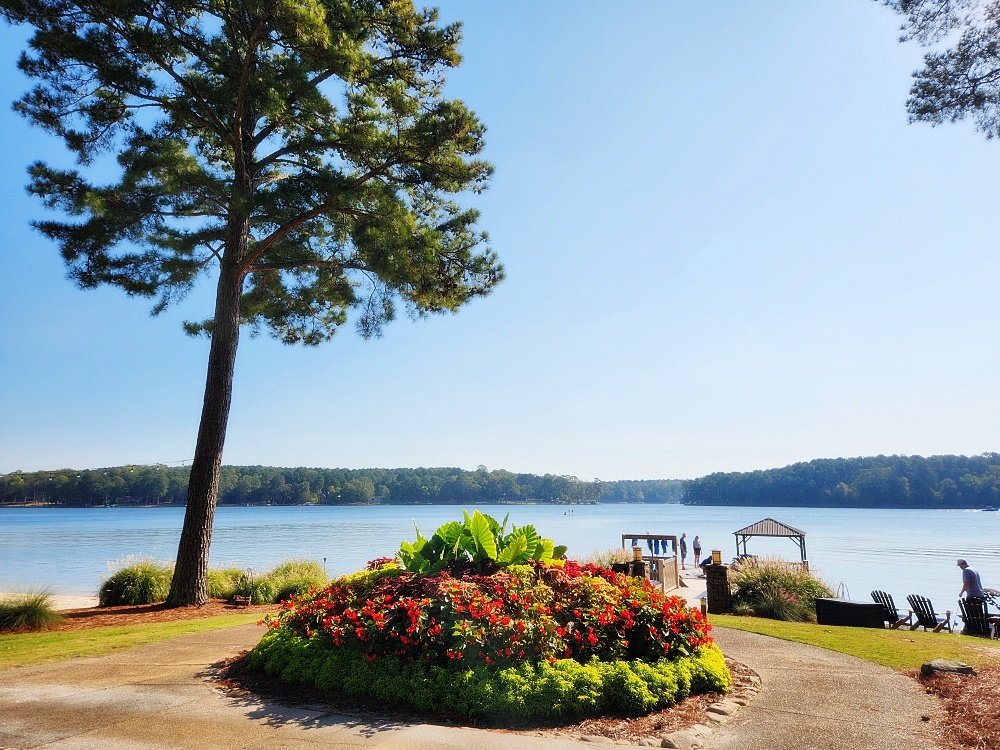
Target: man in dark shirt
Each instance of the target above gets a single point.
(971, 585)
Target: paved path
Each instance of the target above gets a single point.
(814, 699)
(160, 696)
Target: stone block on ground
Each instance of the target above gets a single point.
(727, 708)
(946, 665)
(681, 740)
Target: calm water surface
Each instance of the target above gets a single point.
(900, 551)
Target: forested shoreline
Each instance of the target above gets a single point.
(268, 485)
(865, 482)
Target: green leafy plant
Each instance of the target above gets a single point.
(544, 691)
(30, 611)
(532, 640)
(481, 541)
(136, 581)
(772, 588)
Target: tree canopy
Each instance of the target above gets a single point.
(300, 151)
(269, 485)
(961, 73)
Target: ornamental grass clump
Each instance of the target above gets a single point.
(296, 577)
(462, 633)
(772, 588)
(223, 582)
(30, 611)
(136, 581)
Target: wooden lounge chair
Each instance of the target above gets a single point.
(976, 617)
(925, 615)
(894, 618)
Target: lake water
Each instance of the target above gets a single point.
(900, 551)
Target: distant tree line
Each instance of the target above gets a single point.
(267, 485)
(870, 482)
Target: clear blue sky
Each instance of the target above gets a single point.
(726, 250)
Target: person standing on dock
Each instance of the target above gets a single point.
(682, 547)
(696, 548)
(972, 586)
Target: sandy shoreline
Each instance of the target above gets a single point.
(62, 602)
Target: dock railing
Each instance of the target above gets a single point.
(663, 566)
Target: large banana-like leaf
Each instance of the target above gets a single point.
(495, 528)
(559, 551)
(515, 552)
(479, 528)
(543, 550)
(410, 556)
(451, 536)
(531, 537)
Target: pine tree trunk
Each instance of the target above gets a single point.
(190, 581)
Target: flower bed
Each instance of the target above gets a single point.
(537, 640)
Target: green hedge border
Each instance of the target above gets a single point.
(564, 689)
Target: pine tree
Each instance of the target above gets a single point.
(300, 152)
(962, 78)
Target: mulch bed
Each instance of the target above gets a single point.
(144, 614)
(970, 702)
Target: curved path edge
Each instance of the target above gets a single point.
(814, 699)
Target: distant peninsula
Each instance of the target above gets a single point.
(959, 482)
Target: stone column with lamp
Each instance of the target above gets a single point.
(720, 599)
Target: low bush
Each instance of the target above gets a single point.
(136, 581)
(772, 588)
(541, 691)
(30, 611)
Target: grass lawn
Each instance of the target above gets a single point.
(898, 649)
(26, 649)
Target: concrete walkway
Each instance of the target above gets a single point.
(814, 699)
(161, 696)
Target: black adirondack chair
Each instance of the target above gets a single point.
(894, 618)
(976, 616)
(925, 615)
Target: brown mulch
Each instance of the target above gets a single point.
(970, 703)
(142, 614)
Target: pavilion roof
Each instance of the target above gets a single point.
(769, 527)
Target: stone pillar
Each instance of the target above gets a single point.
(720, 600)
(638, 568)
